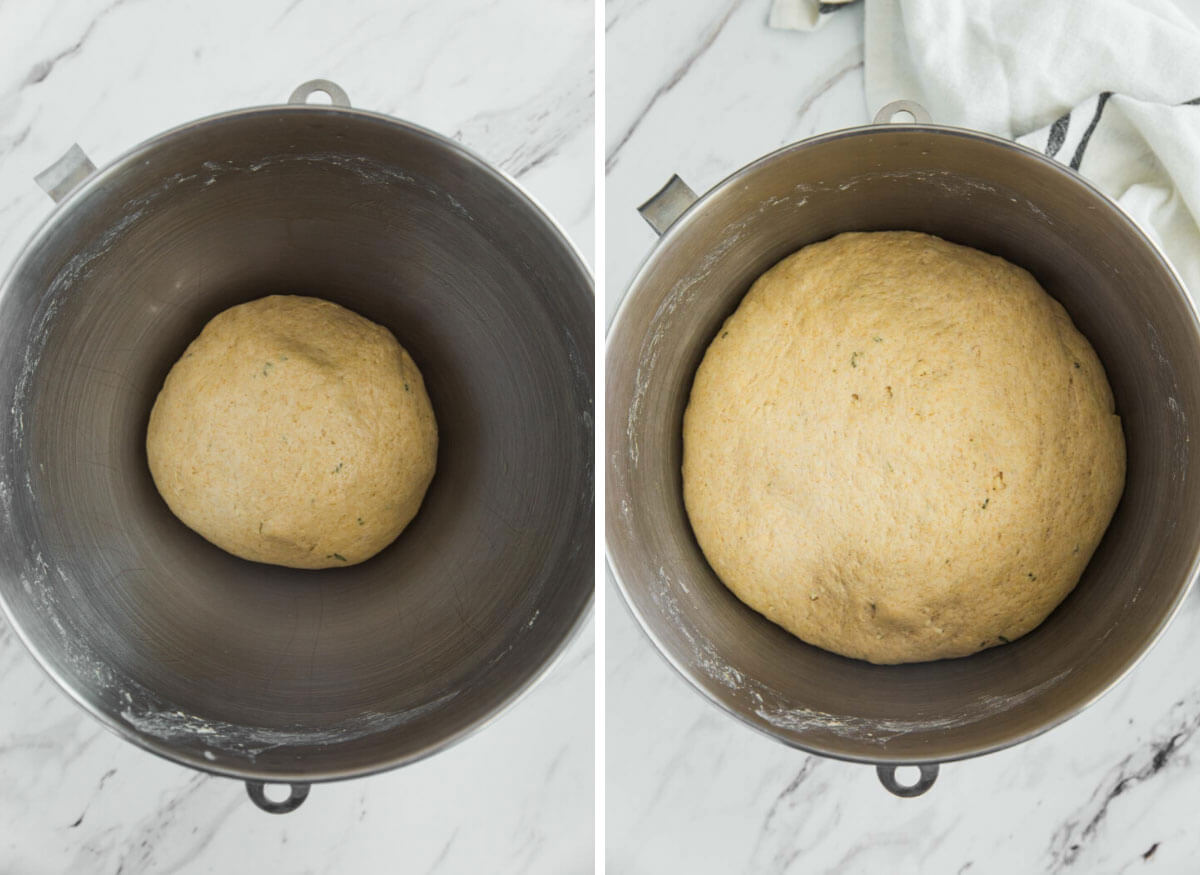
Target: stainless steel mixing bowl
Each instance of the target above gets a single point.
(972, 189)
(262, 672)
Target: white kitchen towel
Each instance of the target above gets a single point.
(1109, 87)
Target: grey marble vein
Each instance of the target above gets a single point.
(679, 762)
(823, 87)
(555, 762)
(17, 139)
(287, 10)
(1071, 839)
(443, 853)
(780, 859)
(707, 39)
(522, 138)
(901, 844)
(40, 71)
(76, 751)
(615, 12)
(87, 805)
(163, 842)
(810, 763)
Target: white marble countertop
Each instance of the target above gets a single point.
(699, 88)
(510, 79)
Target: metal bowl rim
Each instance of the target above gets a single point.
(622, 315)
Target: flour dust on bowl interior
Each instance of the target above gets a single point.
(970, 189)
(264, 672)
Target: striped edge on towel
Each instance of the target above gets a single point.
(1071, 127)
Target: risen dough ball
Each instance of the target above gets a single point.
(294, 432)
(900, 449)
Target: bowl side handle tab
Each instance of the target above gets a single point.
(64, 175)
(671, 201)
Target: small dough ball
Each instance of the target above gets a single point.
(900, 449)
(294, 432)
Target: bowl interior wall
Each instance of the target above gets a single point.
(971, 190)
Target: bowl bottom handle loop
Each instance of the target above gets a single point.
(258, 795)
(887, 777)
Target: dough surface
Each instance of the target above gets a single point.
(294, 432)
(900, 449)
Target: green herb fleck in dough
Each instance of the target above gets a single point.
(1003, 639)
(267, 368)
(877, 339)
(360, 521)
(872, 609)
(854, 359)
(406, 387)
(339, 557)
(1076, 364)
(1032, 576)
(985, 503)
(338, 468)
(724, 333)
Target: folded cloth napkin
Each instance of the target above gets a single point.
(1109, 87)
